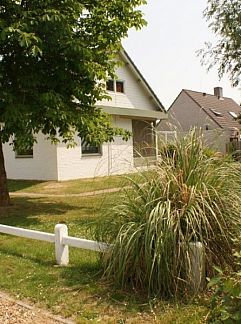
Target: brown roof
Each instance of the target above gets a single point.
(217, 109)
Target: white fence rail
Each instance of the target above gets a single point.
(62, 241)
(60, 238)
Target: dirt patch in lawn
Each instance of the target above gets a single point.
(54, 185)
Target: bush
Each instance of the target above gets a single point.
(187, 197)
(226, 298)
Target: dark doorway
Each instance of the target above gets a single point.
(143, 139)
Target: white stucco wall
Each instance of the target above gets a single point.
(135, 94)
(116, 157)
(42, 166)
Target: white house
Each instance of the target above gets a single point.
(133, 106)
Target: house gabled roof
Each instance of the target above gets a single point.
(126, 58)
(220, 110)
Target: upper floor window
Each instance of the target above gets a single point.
(110, 85)
(115, 85)
(120, 86)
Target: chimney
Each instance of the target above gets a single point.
(218, 92)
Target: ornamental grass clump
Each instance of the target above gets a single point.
(188, 196)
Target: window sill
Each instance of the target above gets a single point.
(91, 154)
(115, 92)
(24, 157)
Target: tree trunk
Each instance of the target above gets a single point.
(4, 195)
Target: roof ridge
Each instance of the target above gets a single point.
(209, 94)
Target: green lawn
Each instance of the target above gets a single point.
(28, 270)
(67, 187)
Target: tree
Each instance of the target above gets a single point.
(53, 54)
(225, 21)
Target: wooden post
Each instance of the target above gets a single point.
(61, 250)
(197, 267)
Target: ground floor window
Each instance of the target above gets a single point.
(24, 153)
(89, 149)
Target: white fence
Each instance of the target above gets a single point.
(63, 241)
(60, 238)
(215, 138)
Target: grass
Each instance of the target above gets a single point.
(28, 271)
(67, 187)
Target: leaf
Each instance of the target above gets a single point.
(3, 35)
(218, 270)
(35, 50)
(24, 40)
(214, 281)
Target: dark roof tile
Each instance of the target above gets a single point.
(214, 106)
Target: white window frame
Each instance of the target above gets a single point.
(216, 113)
(113, 85)
(123, 82)
(114, 81)
(19, 155)
(233, 114)
(92, 154)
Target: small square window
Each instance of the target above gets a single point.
(216, 113)
(233, 114)
(120, 86)
(87, 148)
(24, 153)
(110, 85)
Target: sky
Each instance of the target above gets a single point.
(166, 50)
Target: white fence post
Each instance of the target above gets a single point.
(60, 238)
(61, 250)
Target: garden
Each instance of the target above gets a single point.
(191, 195)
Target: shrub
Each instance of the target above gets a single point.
(187, 197)
(226, 298)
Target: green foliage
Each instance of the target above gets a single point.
(226, 298)
(52, 54)
(187, 197)
(225, 21)
(167, 150)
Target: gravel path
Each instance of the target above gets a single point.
(16, 312)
